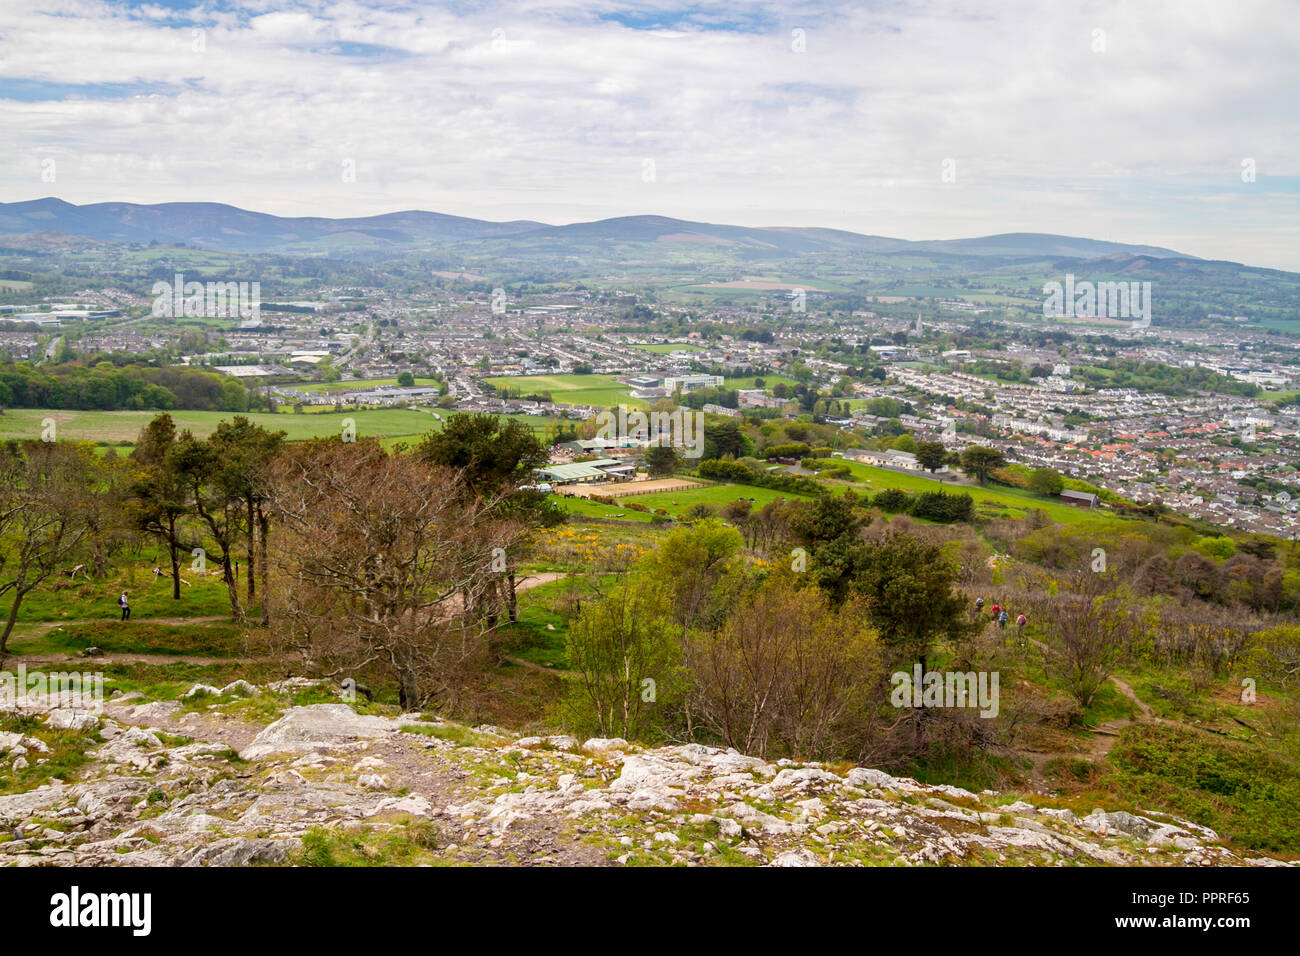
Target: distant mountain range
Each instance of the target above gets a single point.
(230, 229)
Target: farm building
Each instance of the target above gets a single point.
(589, 446)
(1079, 499)
(581, 472)
(890, 458)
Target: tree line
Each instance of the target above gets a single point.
(104, 386)
(356, 557)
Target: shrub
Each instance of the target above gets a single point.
(735, 472)
(938, 506)
(892, 500)
(700, 510)
(790, 450)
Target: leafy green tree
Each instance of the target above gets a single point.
(697, 567)
(938, 506)
(908, 585)
(158, 500)
(1045, 481)
(931, 455)
(904, 443)
(978, 461)
(892, 500)
(623, 653)
(492, 454)
(661, 460)
(827, 519)
(246, 452)
(405, 379)
(726, 438)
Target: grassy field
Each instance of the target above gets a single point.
(390, 424)
(668, 348)
(874, 479)
(125, 426)
(63, 599)
(354, 384)
(768, 381)
(142, 637)
(865, 477)
(676, 502)
(597, 390)
(583, 508)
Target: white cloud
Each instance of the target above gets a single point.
(546, 110)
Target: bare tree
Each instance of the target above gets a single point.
(1088, 642)
(45, 491)
(382, 564)
(785, 670)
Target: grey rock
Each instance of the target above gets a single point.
(64, 718)
(316, 727)
(795, 858)
(236, 851)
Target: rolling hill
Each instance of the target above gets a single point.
(229, 229)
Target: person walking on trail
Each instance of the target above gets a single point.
(1002, 620)
(993, 614)
(1021, 621)
(125, 605)
(979, 606)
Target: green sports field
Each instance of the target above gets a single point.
(601, 391)
(768, 381)
(357, 384)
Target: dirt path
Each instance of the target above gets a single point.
(537, 580)
(35, 628)
(129, 658)
(1104, 736)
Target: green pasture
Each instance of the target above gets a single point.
(597, 390)
(874, 480)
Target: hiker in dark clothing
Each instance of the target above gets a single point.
(125, 606)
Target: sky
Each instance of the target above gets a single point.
(1164, 122)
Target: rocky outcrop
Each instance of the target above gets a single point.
(164, 786)
(316, 727)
